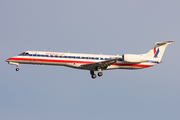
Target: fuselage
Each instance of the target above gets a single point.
(74, 60)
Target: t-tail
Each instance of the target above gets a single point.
(156, 53)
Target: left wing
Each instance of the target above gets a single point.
(102, 65)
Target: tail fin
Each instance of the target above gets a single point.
(157, 51)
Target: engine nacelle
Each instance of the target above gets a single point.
(132, 58)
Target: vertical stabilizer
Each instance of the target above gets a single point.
(157, 51)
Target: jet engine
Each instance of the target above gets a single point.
(132, 58)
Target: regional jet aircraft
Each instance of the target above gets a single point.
(92, 62)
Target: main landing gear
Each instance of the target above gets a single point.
(100, 74)
(94, 75)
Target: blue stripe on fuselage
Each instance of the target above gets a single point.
(153, 61)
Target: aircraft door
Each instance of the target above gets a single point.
(34, 59)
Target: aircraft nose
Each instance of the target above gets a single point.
(8, 60)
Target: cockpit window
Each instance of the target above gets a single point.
(24, 53)
(27, 54)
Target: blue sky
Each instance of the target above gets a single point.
(107, 27)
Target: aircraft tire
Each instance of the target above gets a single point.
(100, 74)
(17, 69)
(93, 76)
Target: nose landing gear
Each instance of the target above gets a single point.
(17, 69)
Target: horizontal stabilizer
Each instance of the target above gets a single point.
(162, 43)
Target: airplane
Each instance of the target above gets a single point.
(92, 62)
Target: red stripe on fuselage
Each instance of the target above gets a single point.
(71, 61)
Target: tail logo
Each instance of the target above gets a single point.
(156, 52)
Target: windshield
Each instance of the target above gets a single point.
(24, 53)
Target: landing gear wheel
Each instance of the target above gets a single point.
(17, 69)
(93, 76)
(100, 74)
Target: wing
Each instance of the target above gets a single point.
(102, 65)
